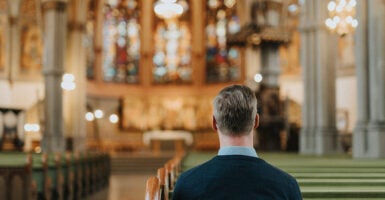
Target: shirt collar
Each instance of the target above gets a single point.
(237, 150)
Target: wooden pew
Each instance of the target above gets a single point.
(170, 174)
(164, 184)
(106, 168)
(177, 159)
(161, 186)
(78, 175)
(52, 176)
(173, 169)
(41, 183)
(55, 175)
(68, 174)
(85, 188)
(15, 176)
(102, 170)
(152, 188)
(47, 177)
(95, 178)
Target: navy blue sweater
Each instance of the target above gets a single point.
(236, 177)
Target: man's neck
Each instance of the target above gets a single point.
(243, 140)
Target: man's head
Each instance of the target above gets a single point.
(235, 111)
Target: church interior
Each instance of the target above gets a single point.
(118, 93)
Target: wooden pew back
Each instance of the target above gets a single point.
(152, 188)
(164, 184)
(15, 176)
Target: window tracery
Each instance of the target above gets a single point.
(172, 48)
(222, 62)
(121, 41)
(89, 39)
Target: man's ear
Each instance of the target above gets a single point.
(256, 121)
(214, 124)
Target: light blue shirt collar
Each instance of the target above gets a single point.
(237, 150)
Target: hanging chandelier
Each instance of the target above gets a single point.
(167, 9)
(341, 16)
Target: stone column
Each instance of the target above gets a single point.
(307, 29)
(319, 135)
(75, 100)
(360, 135)
(376, 52)
(376, 126)
(13, 45)
(326, 131)
(53, 67)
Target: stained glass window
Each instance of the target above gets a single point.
(222, 62)
(172, 46)
(121, 41)
(89, 39)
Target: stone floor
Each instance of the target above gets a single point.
(123, 187)
(127, 187)
(129, 175)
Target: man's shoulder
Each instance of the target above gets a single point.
(199, 168)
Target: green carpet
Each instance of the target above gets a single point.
(322, 177)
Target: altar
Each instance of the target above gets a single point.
(155, 137)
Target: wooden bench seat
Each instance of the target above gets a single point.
(40, 181)
(52, 176)
(343, 192)
(341, 182)
(339, 175)
(15, 176)
(331, 169)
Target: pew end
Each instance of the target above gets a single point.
(152, 188)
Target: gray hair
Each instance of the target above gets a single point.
(235, 109)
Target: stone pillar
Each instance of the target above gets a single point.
(319, 135)
(75, 100)
(326, 131)
(13, 45)
(53, 66)
(372, 64)
(360, 137)
(376, 126)
(307, 29)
